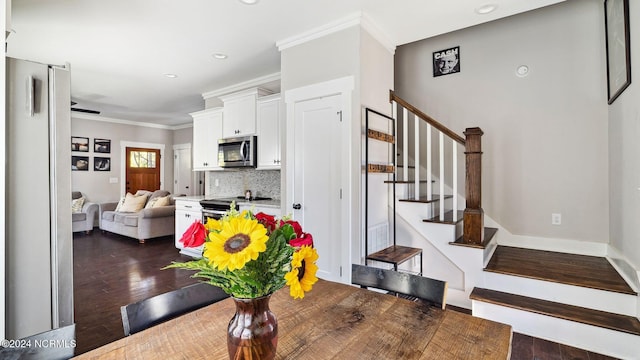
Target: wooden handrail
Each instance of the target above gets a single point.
(445, 130)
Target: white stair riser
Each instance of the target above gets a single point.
(588, 337)
(567, 294)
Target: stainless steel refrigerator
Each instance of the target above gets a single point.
(39, 253)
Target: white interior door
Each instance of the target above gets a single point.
(182, 177)
(317, 184)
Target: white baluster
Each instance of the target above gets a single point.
(429, 165)
(441, 138)
(405, 145)
(394, 114)
(455, 180)
(416, 162)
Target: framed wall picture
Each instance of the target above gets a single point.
(101, 145)
(80, 163)
(446, 61)
(101, 164)
(79, 144)
(616, 22)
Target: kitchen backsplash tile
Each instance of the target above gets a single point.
(235, 182)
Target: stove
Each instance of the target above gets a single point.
(215, 208)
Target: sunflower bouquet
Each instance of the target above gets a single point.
(250, 256)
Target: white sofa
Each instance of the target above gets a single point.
(147, 223)
(83, 220)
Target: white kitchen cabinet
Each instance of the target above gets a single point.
(269, 118)
(240, 112)
(207, 130)
(187, 211)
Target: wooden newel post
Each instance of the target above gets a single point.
(473, 214)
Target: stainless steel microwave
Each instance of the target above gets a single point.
(238, 152)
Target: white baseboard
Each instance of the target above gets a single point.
(552, 244)
(592, 338)
(626, 269)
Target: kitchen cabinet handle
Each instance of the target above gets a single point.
(297, 206)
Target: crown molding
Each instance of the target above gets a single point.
(257, 82)
(355, 19)
(377, 33)
(129, 122)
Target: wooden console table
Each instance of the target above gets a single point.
(333, 321)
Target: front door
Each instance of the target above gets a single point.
(142, 169)
(317, 160)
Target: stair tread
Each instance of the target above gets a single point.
(489, 233)
(571, 269)
(448, 218)
(613, 321)
(423, 199)
(395, 254)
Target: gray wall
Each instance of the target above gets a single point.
(183, 135)
(624, 155)
(545, 144)
(95, 184)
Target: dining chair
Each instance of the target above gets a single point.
(427, 289)
(160, 308)
(56, 344)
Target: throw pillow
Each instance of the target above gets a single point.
(76, 205)
(133, 203)
(120, 203)
(151, 203)
(162, 201)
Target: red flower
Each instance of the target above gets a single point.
(296, 226)
(304, 239)
(195, 235)
(267, 220)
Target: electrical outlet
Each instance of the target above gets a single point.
(217, 181)
(556, 219)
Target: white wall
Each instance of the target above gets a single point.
(624, 155)
(96, 184)
(376, 79)
(333, 56)
(3, 20)
(349, 52)
(545, 143)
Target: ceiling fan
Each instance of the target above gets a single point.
(83, 110)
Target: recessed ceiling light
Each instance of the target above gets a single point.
(522, 71)
(171, 76)
(220, 56)
(249, 2)
(485, 9)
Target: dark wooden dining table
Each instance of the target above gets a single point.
(333, 321)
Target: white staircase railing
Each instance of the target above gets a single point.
(447, 148)
(422, 151)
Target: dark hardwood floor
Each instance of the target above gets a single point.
(112, 270)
